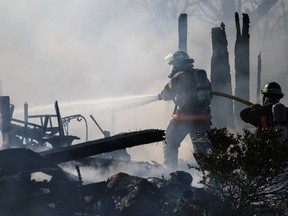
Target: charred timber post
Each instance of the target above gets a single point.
(116, 142)
(25, 121)
(182, 31)
(221, 78)
(5, 120)
(59, 119)
(242, 62)
(259, 70)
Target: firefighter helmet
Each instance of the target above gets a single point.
(178, 57)
(272, 89)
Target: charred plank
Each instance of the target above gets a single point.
(94, 147)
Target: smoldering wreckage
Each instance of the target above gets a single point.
(30, 150)
(36, 161)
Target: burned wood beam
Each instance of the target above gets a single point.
(5, 120)
(242, 63)
(94, 147)
(222, 108)
(182, 32)
(259, 71)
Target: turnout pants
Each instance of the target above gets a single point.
(176, 131)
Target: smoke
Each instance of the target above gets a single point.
(142, 168)
(86, 54)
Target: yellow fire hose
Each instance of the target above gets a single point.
(241, 100)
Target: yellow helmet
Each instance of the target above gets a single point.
(178, 57)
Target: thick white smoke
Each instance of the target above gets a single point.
(77, 51)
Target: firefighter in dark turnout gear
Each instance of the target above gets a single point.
(271, 113)
(191, 92)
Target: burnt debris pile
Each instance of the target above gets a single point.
(41, 173)
(31, 184)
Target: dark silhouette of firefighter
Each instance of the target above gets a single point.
(191, 92)
(271, 114)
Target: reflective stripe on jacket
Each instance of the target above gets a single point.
(264, 123)
(191, 117)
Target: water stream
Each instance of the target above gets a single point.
(114, 104)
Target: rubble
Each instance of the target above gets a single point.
(63, 194)
(34, 179)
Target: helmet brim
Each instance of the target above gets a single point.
(185, 61)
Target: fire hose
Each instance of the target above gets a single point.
(233, 97)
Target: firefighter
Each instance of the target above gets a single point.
(271, 112)
(191, 92)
